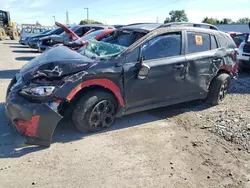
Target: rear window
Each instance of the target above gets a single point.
(198, 42)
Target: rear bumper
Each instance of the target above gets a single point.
(36, 122)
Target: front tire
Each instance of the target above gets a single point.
(2, 34)
(95, 111)
(14, 35)
(218, 89)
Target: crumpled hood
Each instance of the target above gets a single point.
(57, 62)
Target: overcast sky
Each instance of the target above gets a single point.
(122, 12)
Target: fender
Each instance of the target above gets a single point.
(226, 67)
(106, 83)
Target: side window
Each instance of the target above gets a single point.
(198, 42)
(59, 31)
(133, 56)
(85, 29)
(79, 32)
(97, 28)
(214, 44)
(162, 46)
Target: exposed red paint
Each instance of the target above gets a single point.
(236, 66)
(28, 127)
(226, 67)
(88, 32)
(100, 82)
(105, 32)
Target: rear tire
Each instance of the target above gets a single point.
(95, 111)
(218, 89)
(2, 34)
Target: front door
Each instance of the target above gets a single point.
(163, 54)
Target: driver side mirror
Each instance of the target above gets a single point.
(144, 70)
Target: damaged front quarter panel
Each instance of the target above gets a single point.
(35, 116)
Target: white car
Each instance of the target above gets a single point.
(244, 53)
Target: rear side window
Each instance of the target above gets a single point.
(214, 44)
(79, 32)
(198, 42)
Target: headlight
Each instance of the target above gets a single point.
(41, 91)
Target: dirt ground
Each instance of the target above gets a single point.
(183, 146)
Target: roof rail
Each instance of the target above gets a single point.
(140, 23)
(202, 25)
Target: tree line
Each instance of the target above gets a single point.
(181, 16)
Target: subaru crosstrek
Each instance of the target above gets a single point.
(138, 69)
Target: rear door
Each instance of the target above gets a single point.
(203, 58)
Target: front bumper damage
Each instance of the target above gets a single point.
(35, 121)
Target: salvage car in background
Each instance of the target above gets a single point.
(25, 36)
(32, 42)
(244, 53)
(138, 68)
(97, 35)
(238, 37)
(67, 36)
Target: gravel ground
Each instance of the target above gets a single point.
(188, 145)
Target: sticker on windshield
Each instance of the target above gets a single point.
(198, 40)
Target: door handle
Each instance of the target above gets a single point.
(180, 66)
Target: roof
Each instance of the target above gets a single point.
(97, 25)
(142, 26)
(243, 28)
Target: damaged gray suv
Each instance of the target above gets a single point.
(139, 67)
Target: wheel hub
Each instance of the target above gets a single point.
(103, 114)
